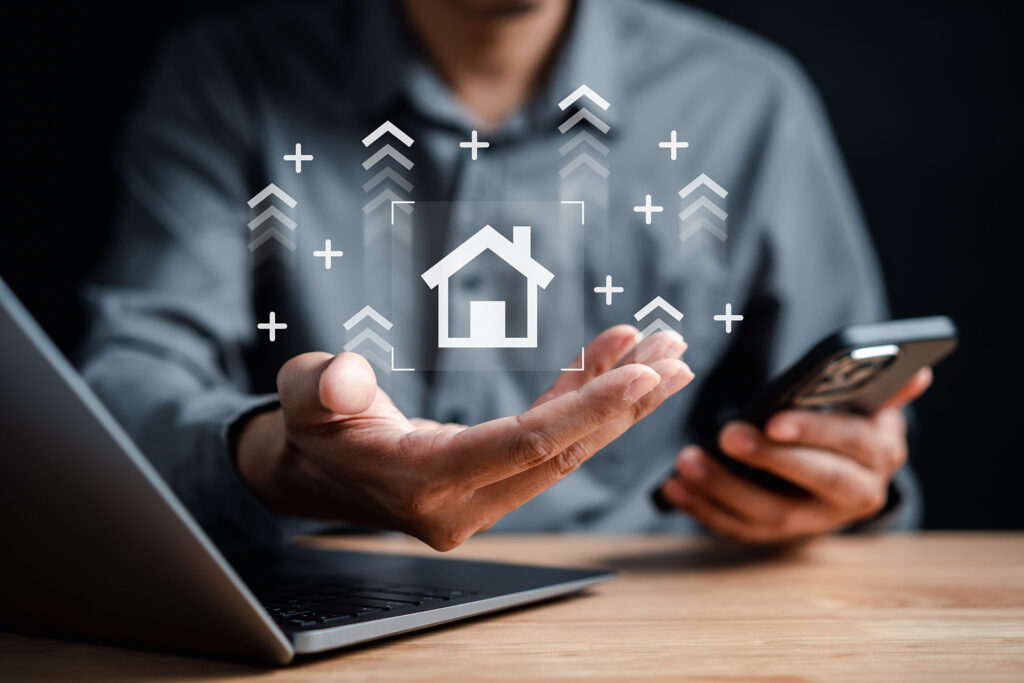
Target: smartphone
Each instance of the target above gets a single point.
(855, 370)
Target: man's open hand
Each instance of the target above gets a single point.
(339, 449)
(843, 462)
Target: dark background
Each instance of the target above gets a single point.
(925, 99)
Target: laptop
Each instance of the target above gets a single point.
(94, 544)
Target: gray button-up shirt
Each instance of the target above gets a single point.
(175, 350)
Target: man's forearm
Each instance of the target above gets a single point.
(181, 425)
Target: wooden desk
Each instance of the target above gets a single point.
(928, 607)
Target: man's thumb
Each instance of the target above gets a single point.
(317, 386)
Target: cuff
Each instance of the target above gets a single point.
(222, 502)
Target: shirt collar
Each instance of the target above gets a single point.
(588, 56)
(394, 69)
(384, 57)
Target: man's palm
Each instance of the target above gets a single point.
(351, 455)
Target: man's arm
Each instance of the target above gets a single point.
(173, 321)
(813, 271)
(171, 306)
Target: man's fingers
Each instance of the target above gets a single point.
(703, 474)
(609, 349)
(499, 449)
(878, 442)
(802, 518)
(834, 478)
(599, 356)
(317, 386)
(506, 495)
(663, 344)
(917, 385)
(714, 516)
(675, 374)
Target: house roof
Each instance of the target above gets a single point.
(488, 238)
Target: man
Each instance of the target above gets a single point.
(177, 354)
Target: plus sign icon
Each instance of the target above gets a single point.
(473, 145)
(647, 208)
(673, 145)
(298, 157)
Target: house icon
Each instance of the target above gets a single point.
(487, 318)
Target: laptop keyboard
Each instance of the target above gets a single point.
(313, 602)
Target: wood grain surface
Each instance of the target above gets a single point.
(898, 607)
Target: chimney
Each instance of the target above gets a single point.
(521, 238)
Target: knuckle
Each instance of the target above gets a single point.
(412, 505)
(417, 501)
(873, 500)
(896, 454)
(832, 478)
(851, 435)
(532, 447)
(603, 409)
(770, 456)
(639, 410)
(881, 499)
(779, 519)
(569, 460)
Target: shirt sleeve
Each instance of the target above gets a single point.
(171, 307)
(810, 267)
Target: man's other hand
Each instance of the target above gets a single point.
(843, 462)
(339, 449)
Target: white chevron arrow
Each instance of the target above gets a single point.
(705, 203)
(272, 212)
(368, 335)
(387, 174)
(273, 233)
(587, 138)
(658, 325)
(388, 150)
(387, 127)
(583, 158)
(581, 115)
(658, 302)
(374, 356)
(367, 312)
(272, 189)
(703, 180)
(583, 90)
(703, 223)
(386, 195)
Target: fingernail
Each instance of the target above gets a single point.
(643, 385)
(626, 343)
(683, 375)
(662, 344)
(740, 438)
(692, 465)
(784, 429)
